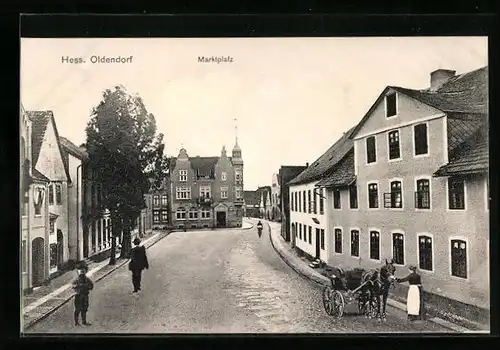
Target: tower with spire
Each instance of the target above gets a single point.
(237, 159)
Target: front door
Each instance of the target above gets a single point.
(318, 242)
(59, 247)
(38, 261)
(221, 219)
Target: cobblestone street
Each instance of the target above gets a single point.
(227, 281)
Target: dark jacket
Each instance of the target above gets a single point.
(82, 285)
(138, 259)
(413, 279)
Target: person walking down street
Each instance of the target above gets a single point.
(138, 262)
(259, 228)
(415, 300)
(82, 285)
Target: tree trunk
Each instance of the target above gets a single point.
(126, 240)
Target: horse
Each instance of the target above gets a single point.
(379, 282)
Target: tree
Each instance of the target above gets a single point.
(123, 151)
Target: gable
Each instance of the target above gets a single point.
(51, 160)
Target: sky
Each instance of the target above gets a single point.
(292, 98)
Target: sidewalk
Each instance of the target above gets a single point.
(287, 253)
(47, 299)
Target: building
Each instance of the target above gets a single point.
(275, 198)
(34, 255)
(160, 205)
(265, 206)
(411, 183)
(285, 175)
(75, 157)
(251, 201)
(207, 192)
(308, 203)
(48, 159)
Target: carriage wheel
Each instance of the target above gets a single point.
(338, 304)
(327, 299)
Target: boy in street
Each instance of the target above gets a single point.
(82, 286)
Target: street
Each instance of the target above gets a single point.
(221, 281)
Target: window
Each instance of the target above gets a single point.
(425, 253)
(353, 196)
(58, 193)
(156, 200)
(355, 243)
(180, 214)
(310, 235)
(394, 150)
(183, 175)
(314, 203)
(238, 192)
(459, 258)
(156, 216)
(292, 195)
(390, 105)
(223, 192)
(309, 202)
(338, 241)
(372, 195)
(164, 216)
(322, 235)
(205, 214)
(456, 193)
(336, 198)
(52, 227)
(321, 203)
(394, 198)
(304, 199)
(24, 204)
(24, 256)
(423, 195)
(223, 176)
(374, 245)
(183, 193)
(38, 201)
(164, 200)
(205, 191)
(300, 231)
(53, 255)
(398, 252)
(193, 214)
(51, 194)
(420, 139)
(371, 151)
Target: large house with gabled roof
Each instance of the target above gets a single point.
(207, 192)
(411, 184)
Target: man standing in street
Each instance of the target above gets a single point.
(82, 286)
(138, 262)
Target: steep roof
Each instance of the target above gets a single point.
(201, 163)
(327, 161)
(342, 173)
(469, 157)
(39, 176)
(251, 197)
(40, 121)
(288, 172)
(465, 93)
(73, 149)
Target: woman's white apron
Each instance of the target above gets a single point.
(413, 300)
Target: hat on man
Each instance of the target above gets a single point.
(412, 268)
(137, 241)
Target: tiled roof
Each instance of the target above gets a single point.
(251, 197)
(39, 121)
(470, 157)
(342, 174)
(461, 127)
(39, 176)
(288, 172)
(323, 164)
(73, 149)
(202, 163)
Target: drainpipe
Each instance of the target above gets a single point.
(78, 212)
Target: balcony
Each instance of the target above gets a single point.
(204, 201)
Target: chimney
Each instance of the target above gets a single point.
(307, 164)
(440, 77)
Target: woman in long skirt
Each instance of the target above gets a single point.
(414, 301)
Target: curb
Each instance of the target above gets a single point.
(57, 307)
(390, 302)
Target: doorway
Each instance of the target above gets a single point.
(59, 247)
(221, 219)
(38, 261)
(318, 242)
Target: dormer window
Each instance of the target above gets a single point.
(391, 105)
(182, 175)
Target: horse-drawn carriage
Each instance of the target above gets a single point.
(361, 286)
